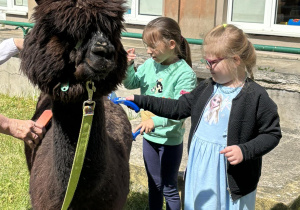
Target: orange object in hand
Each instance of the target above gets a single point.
(44, 119)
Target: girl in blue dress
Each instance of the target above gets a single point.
(233, 124)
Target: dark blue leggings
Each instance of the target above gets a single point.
(162, 164)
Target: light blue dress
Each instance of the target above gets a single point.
(206, 179)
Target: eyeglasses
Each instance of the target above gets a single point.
(210, 63)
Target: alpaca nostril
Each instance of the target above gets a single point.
(102, 43)
(99, 49)
(102, 48)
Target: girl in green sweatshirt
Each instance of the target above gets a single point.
(166, 74)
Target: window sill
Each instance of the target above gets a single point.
(14, 12)
(260, 29)
(272, 33)
(139, 20)
(135, 22)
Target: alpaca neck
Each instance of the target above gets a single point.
(66, 127)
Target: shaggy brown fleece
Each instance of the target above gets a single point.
(74, 41)
(50, 56)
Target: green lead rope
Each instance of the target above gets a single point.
(83, 140)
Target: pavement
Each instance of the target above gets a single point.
(278, 188)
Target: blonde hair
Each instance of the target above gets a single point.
(166, 29)
(227, 41)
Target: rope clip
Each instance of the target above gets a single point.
(90, 90)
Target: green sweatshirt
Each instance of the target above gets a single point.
(165, 81)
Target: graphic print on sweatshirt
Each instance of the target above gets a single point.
(158, 88)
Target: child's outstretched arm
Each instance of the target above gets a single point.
(169, 108)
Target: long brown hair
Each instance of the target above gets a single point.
(166, 29)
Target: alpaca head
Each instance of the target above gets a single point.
(74, 41)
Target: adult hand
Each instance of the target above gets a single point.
(130, 56)
(146, 126)
(233, 154)
(27, 131)
(130, 98)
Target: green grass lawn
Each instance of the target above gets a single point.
(14, 176)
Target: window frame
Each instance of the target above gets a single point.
(135, 18)
(268, 27)
(13, 9)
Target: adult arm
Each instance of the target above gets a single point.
(9, 48)
(25, 130)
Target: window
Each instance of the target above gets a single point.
(287, 10)
(272, 17)
(18, 7)
(143, 11)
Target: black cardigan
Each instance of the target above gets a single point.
(253, 126)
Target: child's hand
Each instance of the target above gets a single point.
(146, 126)
(130, 56)
(130, 98)
(234, 154)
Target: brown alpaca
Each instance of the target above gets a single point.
(74, 41)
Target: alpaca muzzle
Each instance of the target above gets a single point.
(100, 56)
(99, 59)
